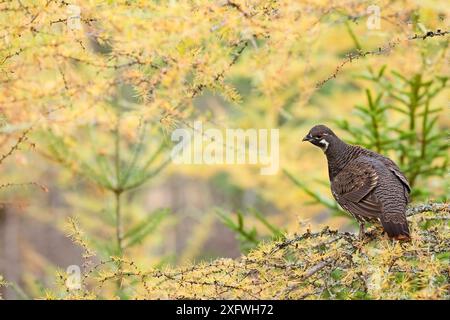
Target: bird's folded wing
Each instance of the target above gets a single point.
(396, 171)
(352, 186)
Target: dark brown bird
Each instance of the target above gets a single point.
(366, 184)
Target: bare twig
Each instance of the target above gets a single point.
(381, 50)
(16, 146)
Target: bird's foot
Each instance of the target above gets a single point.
(361, 234)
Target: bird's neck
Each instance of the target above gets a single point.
(338, 155)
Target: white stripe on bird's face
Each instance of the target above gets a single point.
(324, 144)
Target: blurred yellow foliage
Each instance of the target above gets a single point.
(78, 77)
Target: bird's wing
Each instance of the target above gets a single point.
(352, 186)
(392, 168)
(401, 177)
(396, 171)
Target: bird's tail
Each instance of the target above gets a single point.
(397, 230)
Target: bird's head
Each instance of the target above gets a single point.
(321, 136)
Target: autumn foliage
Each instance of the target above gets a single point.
(311, 265)
(91, 90)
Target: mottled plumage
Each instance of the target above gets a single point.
(366, 184)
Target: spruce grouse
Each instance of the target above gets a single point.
(366, 184)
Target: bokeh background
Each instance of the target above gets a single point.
(90, 93)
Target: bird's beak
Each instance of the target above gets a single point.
(307, 138)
